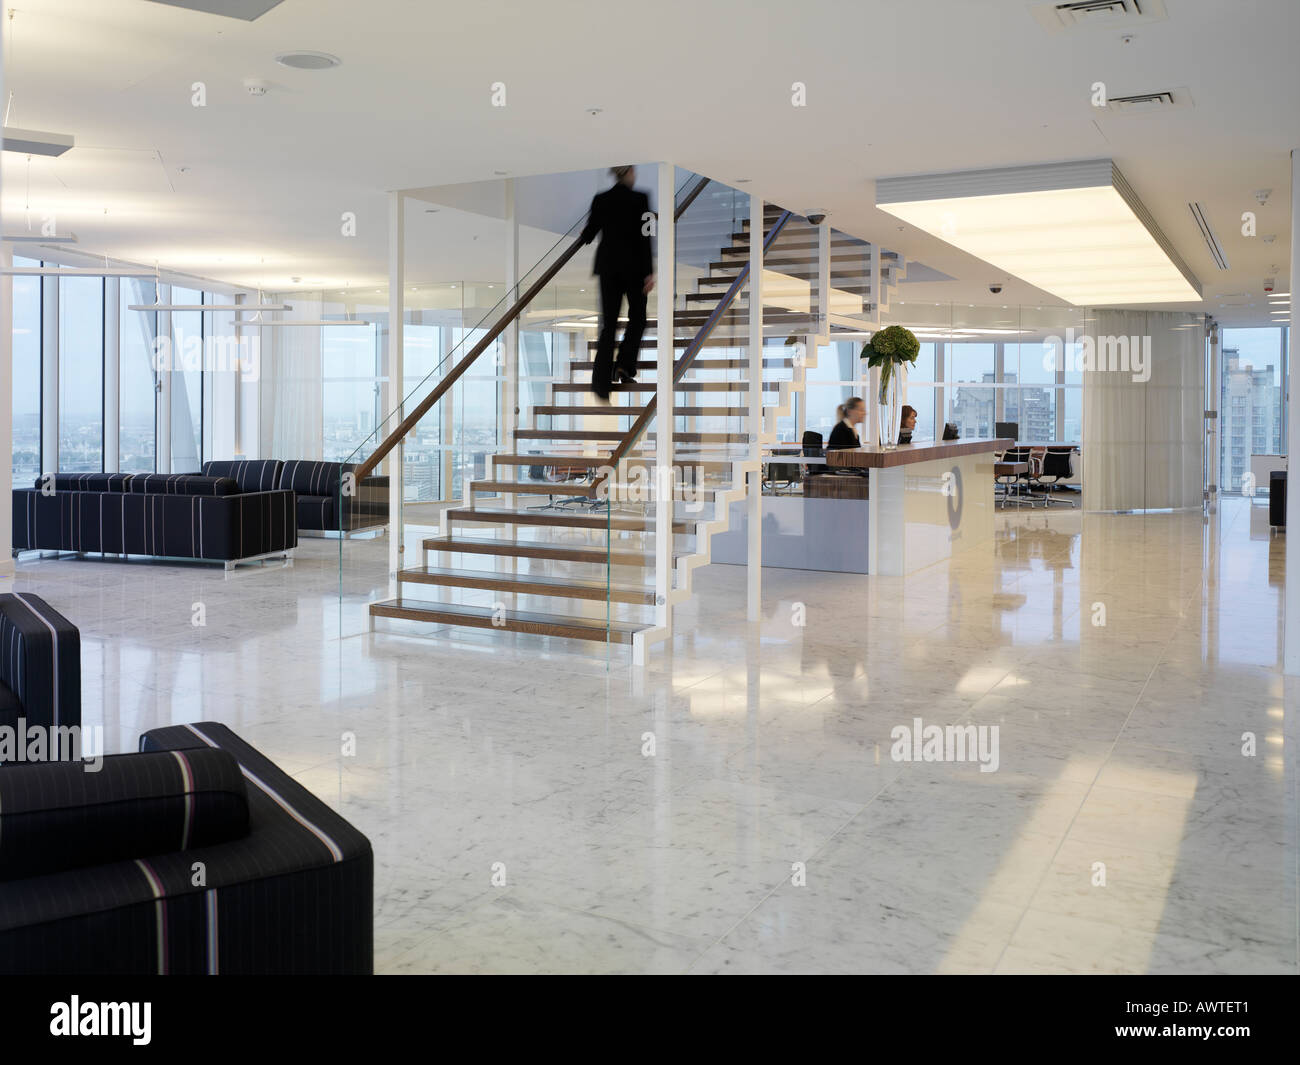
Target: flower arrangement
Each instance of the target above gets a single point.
(889, 347)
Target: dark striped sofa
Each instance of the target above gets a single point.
(40, 665)
(194, 516)
(196, 856)
(319, 490)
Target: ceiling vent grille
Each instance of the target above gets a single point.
(1101, 13)
(1143, 103)
(1207, 234)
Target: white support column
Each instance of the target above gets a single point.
(665, 477)
(757, 234)
(823, 279)
(510, 338)
(508, 419)
(1291, 636)
(6, 417)
(49, 375)
(112, 373)
(163, 385)
(393, 405)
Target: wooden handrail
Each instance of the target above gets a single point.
(423, 407)
(693, 349)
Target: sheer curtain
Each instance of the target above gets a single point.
(1143, 440)
(292, 385)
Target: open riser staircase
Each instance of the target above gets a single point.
(558, 537)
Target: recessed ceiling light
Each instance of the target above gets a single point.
(308, 60)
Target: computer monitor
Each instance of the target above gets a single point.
(1005, 430)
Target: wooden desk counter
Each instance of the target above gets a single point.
(875, 457)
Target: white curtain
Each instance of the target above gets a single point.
(292, 385)
(1143, 440)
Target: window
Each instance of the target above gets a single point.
(1250, 381)
(423, 453)
(187, 383)
(972, 409)
(138, 394)
(81, 374)
(26, 377)
(351, 388)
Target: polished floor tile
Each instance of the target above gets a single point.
(738, 806)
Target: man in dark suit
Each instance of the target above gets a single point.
(625, 265)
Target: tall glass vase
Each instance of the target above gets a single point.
(893, 383)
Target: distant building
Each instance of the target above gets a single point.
(1249, 422)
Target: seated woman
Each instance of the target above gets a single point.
(906, 424)
(852, 412)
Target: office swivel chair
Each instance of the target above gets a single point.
(1019, 481)
(1056, 469)
(1007, 429)
(778, 475)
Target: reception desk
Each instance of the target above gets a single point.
(927, 502)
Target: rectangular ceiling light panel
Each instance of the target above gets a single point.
(1075, 230)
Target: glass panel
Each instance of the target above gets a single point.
(186, 383)
(350, 387)
(1250, 405)
(138, 394)
(26, 377)
(81, 374)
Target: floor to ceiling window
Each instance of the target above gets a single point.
(422, 455)
(350, 387)
(187, 382)
(1250, 400)
(26, 398)
(138, 394)
(81, 374)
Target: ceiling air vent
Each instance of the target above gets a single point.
(1207, 234)
(1143, 103)
(1102, 13)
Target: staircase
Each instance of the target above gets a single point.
(558, 537)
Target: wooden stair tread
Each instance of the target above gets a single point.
(591, 588)
(545, 488)
(680, 386)
(525, 621)
(563, 519)
(540, 549)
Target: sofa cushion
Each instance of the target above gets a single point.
(312, 478)
(252, 475)
(85, 482)
(10, 708)
(182, 484)
(317, 513)
(60, 815)
(40, 651)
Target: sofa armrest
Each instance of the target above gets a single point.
(56, 816)
(40, 660)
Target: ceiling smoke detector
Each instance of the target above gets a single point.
(255, 86)
(308, 60)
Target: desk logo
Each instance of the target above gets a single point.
(953, 490)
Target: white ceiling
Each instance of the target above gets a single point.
(892, 88)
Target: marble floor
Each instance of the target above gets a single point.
(735, 807)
